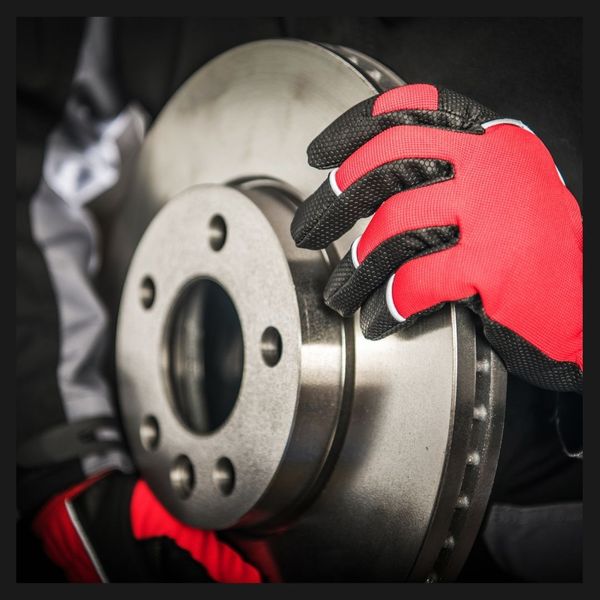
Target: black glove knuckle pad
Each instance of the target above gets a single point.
(358, 125)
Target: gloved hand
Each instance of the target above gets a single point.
(469, 207)
(112, 528)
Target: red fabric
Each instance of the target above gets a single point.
(149, 519)
(420, 96)
(521, 233)
(60, 539)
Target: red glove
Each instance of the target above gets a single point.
(468, 207)
(112, 528)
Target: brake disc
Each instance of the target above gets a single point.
(252, 408)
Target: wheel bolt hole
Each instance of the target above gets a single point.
(223, 476)
(182, 476)
(150, 433)
(271, 346)
(217, 232)
(147, 292)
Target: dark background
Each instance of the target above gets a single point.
(528, 69)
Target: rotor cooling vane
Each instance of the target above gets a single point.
(252, 408)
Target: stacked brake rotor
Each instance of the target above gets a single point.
(252, 408)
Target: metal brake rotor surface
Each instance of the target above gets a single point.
(252, 408)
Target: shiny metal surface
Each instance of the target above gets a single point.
(342, 459)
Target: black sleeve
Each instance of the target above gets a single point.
(103, 511)
(44, 74)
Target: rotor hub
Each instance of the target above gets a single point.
(242, 367)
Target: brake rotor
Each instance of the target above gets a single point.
(252, 408)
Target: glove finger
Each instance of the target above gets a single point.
(351, 282)
(416, 289)
(417, 104)
(408, 225)
(378, 318)
(329, 213)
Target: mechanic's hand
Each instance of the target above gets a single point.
(468, 207)
(112, 528)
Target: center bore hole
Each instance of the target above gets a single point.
(205, 355)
